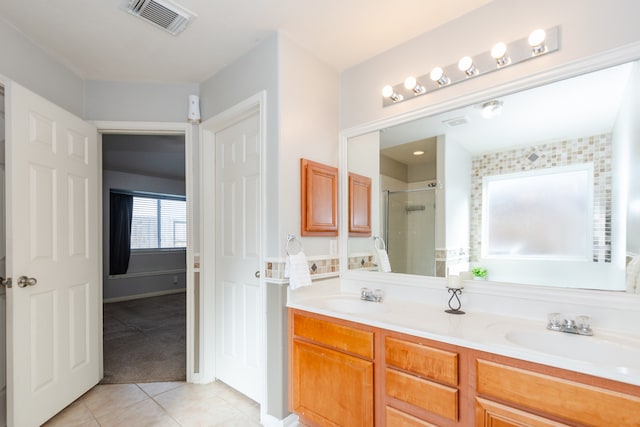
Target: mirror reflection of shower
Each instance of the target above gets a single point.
(408, 181)
(409, 223)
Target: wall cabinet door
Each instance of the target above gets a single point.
(318, 199)
(331, 388)
(359, 205)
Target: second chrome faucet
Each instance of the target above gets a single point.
(581, 325)
(367, 294)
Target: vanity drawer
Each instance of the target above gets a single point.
(577, 402)
(422, 360)
(425, 394)
(395, 418)
(345, 338)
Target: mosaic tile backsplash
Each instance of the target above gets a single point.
(317, 267)
(595, 149)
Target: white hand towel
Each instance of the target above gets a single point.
(297, 270)
(633, 275)
(383, 261)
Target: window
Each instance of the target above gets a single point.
(543, 214)
(158, 222)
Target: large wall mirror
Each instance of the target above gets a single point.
(539, 187)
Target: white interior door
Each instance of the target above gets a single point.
(54, 325)
(238, 310)
(3, 270)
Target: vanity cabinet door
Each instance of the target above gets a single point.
(331, 371)
(331, 388)
(318, 199)
(492, 414)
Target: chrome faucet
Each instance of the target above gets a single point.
(367, 294)
(581, 325)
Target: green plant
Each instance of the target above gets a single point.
(479, 272)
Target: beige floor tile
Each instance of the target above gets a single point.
(241, 402)
(74, 415)
(201, 412)
(190, 392)
(142, 414)
(104, 399)
(239, 422)
(154, 389)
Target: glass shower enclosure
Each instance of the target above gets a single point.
(409, 221)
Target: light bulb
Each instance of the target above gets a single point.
(499, 53)
(466, 64)
(536, 41)
(418, 153)
(410, 83)
(498, 50)
(388, 92)
(438, 76)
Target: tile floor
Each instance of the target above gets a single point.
(169, 404)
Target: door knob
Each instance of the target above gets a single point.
(5, 282)
(25, 281)
(257, 273)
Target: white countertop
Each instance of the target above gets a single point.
(607, 355)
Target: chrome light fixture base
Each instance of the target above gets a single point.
(516, 51)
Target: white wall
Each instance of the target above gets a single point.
(586, 28)
(252, 73)
(140, 101)
(33, 68)
(309, 97)
(140, 263)
(457, 195)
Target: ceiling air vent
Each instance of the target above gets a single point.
(162, 13)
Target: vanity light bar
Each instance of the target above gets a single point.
(502, 55)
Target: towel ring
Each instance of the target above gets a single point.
(378, 243)
(292, 238)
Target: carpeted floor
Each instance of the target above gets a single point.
(145, 340)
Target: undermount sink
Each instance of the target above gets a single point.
(599, 350)
(354, 305)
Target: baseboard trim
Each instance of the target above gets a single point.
(271, 421)
(145, 295)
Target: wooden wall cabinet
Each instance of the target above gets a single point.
(318, 199)
(359, 205)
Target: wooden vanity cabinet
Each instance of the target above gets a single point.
(318, 199)
(347, 374)
(331, 371)
(421, 382)
(511, 392)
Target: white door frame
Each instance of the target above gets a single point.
(164, 128)
(209, 128)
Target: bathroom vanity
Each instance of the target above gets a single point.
(402, 363)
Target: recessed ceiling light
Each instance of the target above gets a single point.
(491, 109)
(418, 153)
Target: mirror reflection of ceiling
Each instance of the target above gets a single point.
(584, 105)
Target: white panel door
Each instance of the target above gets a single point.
(3, 259)
(237, 256)
(54, 325)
